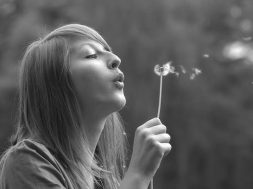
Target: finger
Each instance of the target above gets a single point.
(166, 147)
(152, 122)
(157, 129)
(162, 138)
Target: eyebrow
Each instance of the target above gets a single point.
(94, 46)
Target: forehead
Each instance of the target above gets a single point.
(87, 43)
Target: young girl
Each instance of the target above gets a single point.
(69, 134)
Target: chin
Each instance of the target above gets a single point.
(112, 104)
(119, 104)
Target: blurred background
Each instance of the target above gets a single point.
(209, 114)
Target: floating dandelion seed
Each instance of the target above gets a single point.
(177, 74)
(192, 76)
(247, 38)
(183, 70)
(196, 72)
(206, 55)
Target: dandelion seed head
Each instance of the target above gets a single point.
(167, 66)
(164, 70)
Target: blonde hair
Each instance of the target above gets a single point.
(49, 110)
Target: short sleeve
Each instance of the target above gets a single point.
(26, 168)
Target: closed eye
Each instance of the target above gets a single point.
(91, 56)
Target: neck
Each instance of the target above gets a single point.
(93, 126)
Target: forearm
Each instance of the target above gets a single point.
(134, 181)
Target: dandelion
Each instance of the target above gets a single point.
(164, 70)
(161, 71)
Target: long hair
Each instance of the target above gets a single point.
(49, 110)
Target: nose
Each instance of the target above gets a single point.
(114, 61)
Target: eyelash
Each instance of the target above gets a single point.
(92, 56)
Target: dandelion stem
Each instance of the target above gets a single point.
(151, 184)
(158, 115)
(160, 95)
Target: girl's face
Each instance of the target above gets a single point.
(97, 77)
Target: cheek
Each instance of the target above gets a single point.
(90, 82)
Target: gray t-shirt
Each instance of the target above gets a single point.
(30, 165)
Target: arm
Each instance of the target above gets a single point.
(151, 143)
(134, 181)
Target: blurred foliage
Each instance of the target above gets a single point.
(209, 118)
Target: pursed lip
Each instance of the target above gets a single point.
(119, 80)
(119, 77)
(119, 84)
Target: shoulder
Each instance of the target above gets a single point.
(29, 164)
(27, 150)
